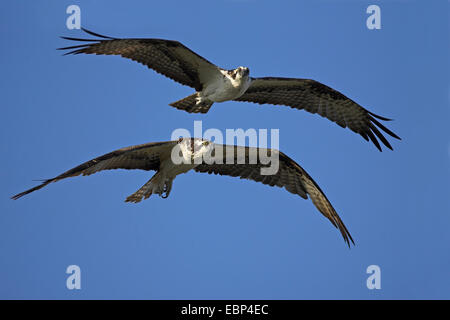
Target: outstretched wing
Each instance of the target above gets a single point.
(316, 97)
(290, 176)
(169, 58)
(145, 157)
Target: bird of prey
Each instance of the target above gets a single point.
(172, 158)
(213, 84)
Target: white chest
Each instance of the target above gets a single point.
(226, 88)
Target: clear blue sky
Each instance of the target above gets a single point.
(220, 237)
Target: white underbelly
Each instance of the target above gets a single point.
(224, 95)
(223, 90)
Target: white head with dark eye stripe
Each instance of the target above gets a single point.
(193, 149)
(239, 73)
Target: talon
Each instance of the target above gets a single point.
(166, 189)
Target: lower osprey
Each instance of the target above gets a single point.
(214, 84)
(235, 161)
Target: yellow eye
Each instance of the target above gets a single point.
(205, 143)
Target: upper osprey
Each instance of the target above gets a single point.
(214, 84)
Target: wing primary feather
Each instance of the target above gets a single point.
(373, 139)
(364, 136)
(97, 35)
(379, 117)
(379, 135)
(79, 39)
(46, 182)
(345, 233)
(78, 49)
(389, 132)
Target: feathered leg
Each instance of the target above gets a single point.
(158, 184)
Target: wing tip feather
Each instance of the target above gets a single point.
(21, 194)
(97, 34)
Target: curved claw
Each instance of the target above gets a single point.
(167, 188)
(164, 193)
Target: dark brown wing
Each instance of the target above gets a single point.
(315, 97)
(145, 157)
(169, 58)
(290, 176)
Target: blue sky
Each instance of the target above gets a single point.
(221, 237)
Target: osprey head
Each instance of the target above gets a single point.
(194, 149)
(240, 72)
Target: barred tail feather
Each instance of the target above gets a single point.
(144, 192)
(189, 104)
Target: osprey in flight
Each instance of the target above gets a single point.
(214, 84)
(235, 161)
